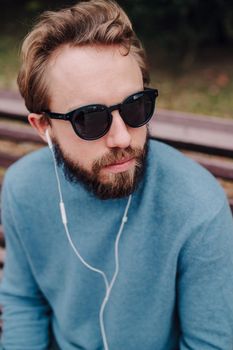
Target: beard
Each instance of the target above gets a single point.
(112, 185)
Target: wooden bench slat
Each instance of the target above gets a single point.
(7, 159)
(18, 133)
(219, 168)
(2, 241)
(12, 106)
(189, 134)
(167, 125)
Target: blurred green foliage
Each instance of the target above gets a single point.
(183, 24)
(189, 44)
(180, 25)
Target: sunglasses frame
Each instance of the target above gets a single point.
(152, 93)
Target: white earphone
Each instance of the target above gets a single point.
(108, 283)
(48, 138)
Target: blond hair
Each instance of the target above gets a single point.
(91, 22)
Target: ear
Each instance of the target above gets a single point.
(39, 123)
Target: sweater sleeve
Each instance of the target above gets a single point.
(205, 285)
(26, 314)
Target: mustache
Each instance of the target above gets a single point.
(117, 155)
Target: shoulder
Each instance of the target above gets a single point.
(28, 172)
(182, 184)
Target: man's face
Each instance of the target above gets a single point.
(112, 165)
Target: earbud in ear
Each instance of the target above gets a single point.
(48, 138)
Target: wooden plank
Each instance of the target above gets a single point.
(218, 167)
(2, 256)
(231, 204)
(18, 132)
(199, 131)
(10, 94)
(7, 159)
(12, 106)
(177, 127)
(180, 136)
(2, 239)
(195, 120)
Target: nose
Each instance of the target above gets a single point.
(118, 135)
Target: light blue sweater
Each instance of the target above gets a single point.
(175, 285)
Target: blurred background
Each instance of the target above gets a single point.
(189, 45)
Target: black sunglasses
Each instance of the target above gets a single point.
(93, 121)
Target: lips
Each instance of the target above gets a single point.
(122, 161)
(120, 166)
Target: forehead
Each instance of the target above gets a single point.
(82, 75)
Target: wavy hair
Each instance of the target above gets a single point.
(92, 22)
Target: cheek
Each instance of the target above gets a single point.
(78, 150)
(139, 136)
(65, 136)
(63, 131)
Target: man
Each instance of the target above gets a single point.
(127, 244)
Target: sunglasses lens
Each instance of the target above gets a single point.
(92, 122)
(138, 109)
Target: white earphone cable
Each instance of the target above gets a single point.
(108, 286)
